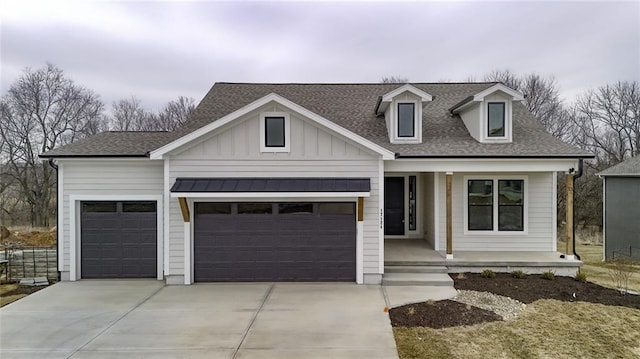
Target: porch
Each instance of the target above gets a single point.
(406, 252)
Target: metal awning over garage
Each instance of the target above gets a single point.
(342, 187)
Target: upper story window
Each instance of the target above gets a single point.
(406, 119)
(274, 132)
(496, 119)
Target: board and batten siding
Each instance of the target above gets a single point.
(234, 151)
(104, 177)
(541, 206)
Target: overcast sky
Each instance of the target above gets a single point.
(158, 51)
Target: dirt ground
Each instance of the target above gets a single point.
(28, 238)
(13, 291)
(529, 289)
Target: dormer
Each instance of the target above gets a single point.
(402, 110)
(488, 115)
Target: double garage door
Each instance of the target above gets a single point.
(274, 242)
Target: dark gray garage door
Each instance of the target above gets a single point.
(274, 242)
(119, 240)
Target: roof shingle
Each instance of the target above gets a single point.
(352, 106)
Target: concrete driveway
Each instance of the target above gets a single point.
(145, 319)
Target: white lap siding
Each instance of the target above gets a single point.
(105, 177)
(541, 206)
(235, 152)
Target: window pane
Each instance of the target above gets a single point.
(255, 208)
(99, 206)
(274, 131)
(496, 119)
(336, 208)
(138, 207)
(213, 208)
(510, 191)
(510, 218)
(481, 218)
(480, 192)
(406, 123)
(295, 208)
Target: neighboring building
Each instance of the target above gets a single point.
(621, 212)
(311, 182)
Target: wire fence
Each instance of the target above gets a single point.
(29, 262)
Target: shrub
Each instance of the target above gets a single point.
(581, 276)
(620, 273)
(461, 276)
(548, 275)
(518, 274)
(411, 311)
(488, 273)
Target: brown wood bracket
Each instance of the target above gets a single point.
(184, 208)
(360, 209)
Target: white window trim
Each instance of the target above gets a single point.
(507, 138)
(417, 122)
(495, 231)
(287, 132)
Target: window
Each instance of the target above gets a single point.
(99, 207)
(336, 208)
(274, 132)
(412, 203)
(274, 135)
(295, 208)
(490, 210)
(510, 205)
(255, 208)
(480, 205)
(496, 119)
(213, 208)
(406, 120)
(138, 206)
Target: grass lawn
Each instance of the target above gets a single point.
(6, 299)
(599, 272)
(546, 329)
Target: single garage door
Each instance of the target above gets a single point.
(274, 242)
(119, 240)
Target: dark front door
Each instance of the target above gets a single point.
(394, 205)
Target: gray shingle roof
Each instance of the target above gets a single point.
(113, 144)
(630, 168)
(352, 106)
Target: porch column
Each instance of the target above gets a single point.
(360, 241)
(569, 250)
(449, 221)
(186, 217)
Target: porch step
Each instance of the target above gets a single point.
(421, 279)
(415, 269)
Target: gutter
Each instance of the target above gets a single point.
(576, 176)
(55, 167)
(489, 156)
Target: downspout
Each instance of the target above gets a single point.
(576, 176)
(55, 167)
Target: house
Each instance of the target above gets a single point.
(621, 194)
(317, 182)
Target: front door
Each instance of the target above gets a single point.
(394, 206)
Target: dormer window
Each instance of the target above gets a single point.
(274, 132)
(496, 119)
(406, 119)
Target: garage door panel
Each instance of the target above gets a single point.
(118, 244)
(275, 247)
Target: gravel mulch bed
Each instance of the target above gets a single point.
(533, 287)
(481, 300)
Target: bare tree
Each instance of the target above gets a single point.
(394, 80)
(608, 122)
(43, 109)
(128, 115)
